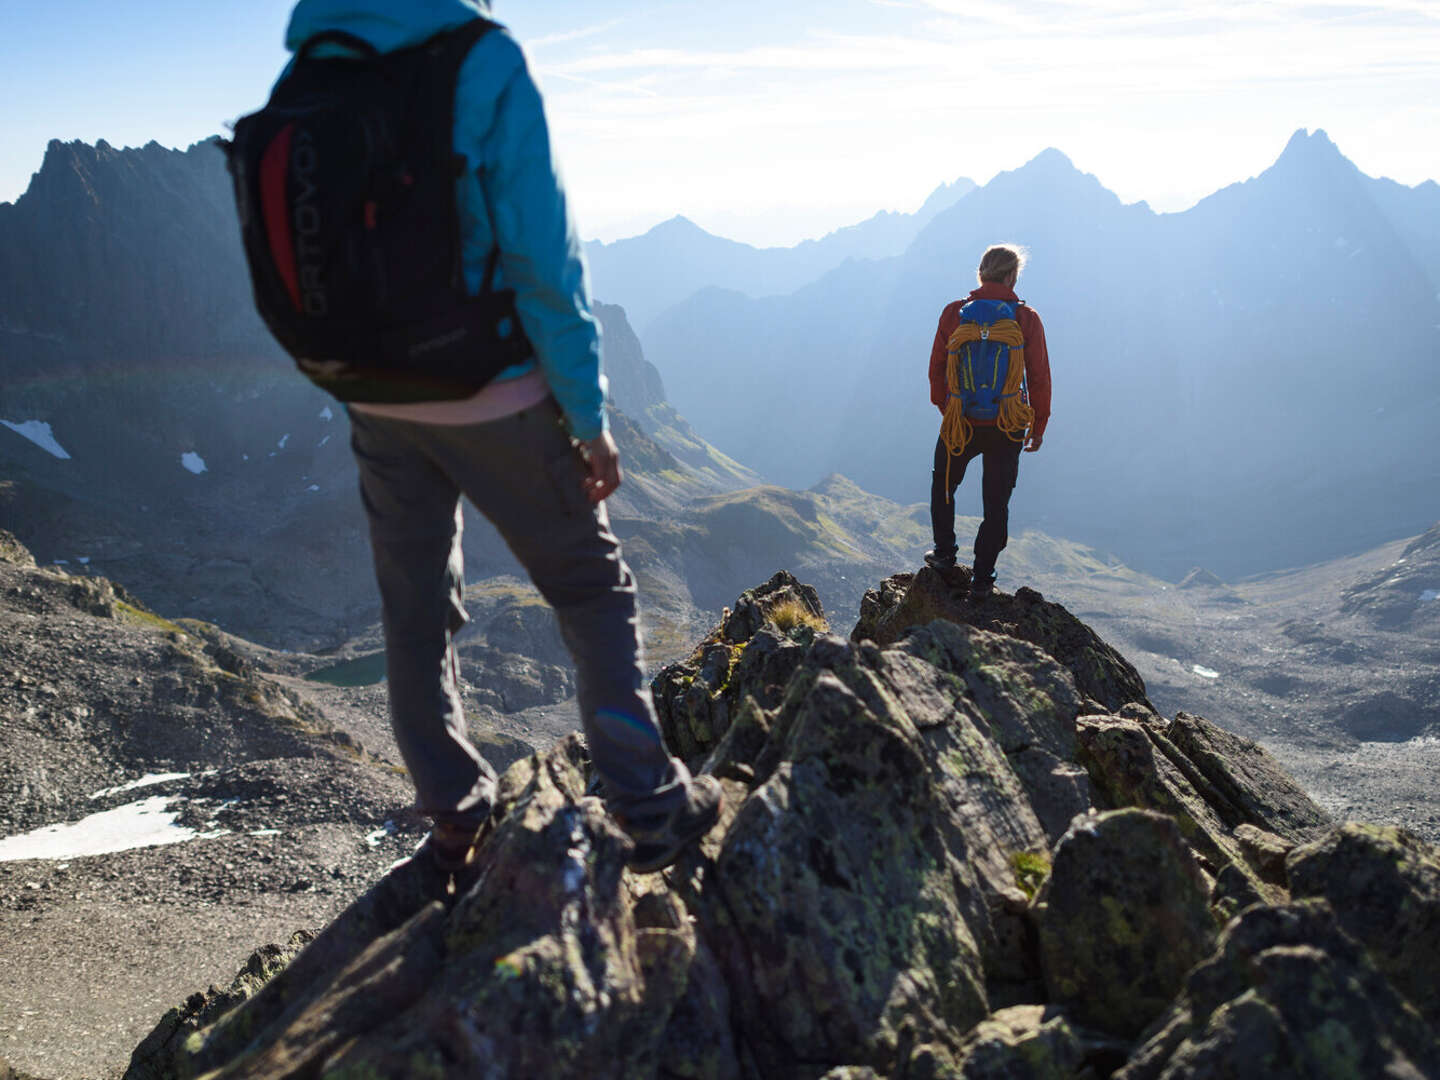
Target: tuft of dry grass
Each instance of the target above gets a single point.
(788, 614)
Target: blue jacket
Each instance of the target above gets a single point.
(512, 191)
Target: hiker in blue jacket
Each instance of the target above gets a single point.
(533, 453)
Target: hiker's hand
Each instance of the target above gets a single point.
(602, 458)
(1033, 443)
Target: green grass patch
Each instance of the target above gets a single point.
(1031, 869)
(364, 670)
(148, 618)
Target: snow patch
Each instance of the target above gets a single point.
(146, 823)
(375, 838)
(38, 432)
(264, 832)
(83, 560)
(322, 442)
(1204, 672)
(148, 780)
(192, 462)
(1429, 595)
(283, 440)
(326, 414)
(313, 487)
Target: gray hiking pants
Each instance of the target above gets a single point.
(524, 474)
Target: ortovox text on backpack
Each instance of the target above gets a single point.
(345, 185)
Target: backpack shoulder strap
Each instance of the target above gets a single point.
(447, 51)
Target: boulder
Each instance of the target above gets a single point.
(1384, 887)
(154, 1058)
(1035, 1042)
(1122, 918)
(832, 905)
(1287, 996)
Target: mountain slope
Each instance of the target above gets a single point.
(162, 801)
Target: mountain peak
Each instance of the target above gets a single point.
(1311, 149)
(679, 224)
(944, 197)
(1051, 159)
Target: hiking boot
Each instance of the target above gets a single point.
(938, 560)
(660, 839)
(454, 850)
(982, 588)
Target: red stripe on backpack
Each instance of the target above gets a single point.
(274, 171)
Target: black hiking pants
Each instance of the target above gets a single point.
(1000, 456)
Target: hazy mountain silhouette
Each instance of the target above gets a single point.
(649, 273)
(1246, 385)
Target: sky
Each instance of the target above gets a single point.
(771, 122)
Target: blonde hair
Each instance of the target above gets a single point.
(1000, 261)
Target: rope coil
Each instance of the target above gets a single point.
(1015, 414)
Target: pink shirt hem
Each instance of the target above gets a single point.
(492, 402)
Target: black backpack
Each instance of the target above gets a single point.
(345, 183)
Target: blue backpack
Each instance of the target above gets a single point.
(980, 356)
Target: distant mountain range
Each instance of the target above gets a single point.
(647, 274)
(1249, 384)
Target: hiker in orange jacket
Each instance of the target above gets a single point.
(999, 449)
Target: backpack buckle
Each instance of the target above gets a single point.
(984, 333)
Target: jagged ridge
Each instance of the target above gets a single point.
(934, 862)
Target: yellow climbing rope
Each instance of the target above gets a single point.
(1015, 414)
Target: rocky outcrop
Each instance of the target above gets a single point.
(14, 552)
(935, 861)
(907, 600)
(155, 1056)
(1403, 595)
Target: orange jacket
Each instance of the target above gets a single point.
(1037, 358)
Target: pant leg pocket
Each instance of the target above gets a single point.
(566, 474)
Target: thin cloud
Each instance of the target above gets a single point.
(567, 36)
